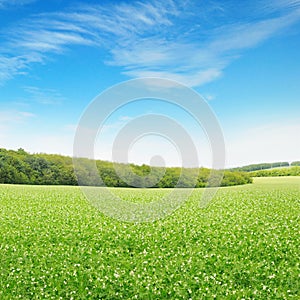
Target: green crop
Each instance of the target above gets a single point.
(244, 245)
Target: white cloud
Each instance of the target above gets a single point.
(8, 117)
(9, 3)
(10, 66)
(125, 118)
(190, 79)
(275, 5)
(26, 114)
(161, 39)
(209, 97)
(44, 96)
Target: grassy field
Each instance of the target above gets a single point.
(245, 245)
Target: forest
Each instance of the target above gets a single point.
(294, 170)
(21, 167)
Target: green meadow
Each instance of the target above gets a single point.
(244, 245)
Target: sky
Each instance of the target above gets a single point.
(242, 57)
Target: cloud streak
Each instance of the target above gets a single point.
(44, 96)
(161, 39)
(4, 4)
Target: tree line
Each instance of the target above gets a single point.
(263, 166)
(21, 167)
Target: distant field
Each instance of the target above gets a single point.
(282, 181)
(54, 245)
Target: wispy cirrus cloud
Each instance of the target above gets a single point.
(43, 96)
(10, 3)
(189, 42)
(14, 116)
(33, 40)
(278, 5)
(12, 65)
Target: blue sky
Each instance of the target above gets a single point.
(243, 58)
